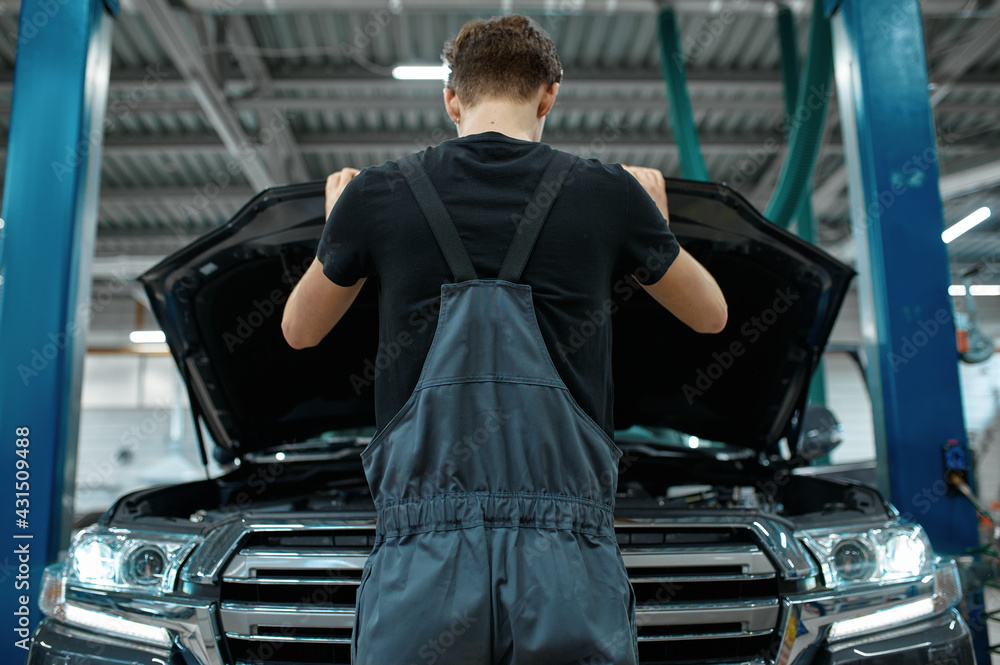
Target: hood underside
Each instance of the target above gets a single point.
(220, 300)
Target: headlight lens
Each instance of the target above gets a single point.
(874, 555)
(94, 561)
(854, 560)
(904, 553)
(145, 565)
(126, 560)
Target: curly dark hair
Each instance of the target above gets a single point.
(505, 57)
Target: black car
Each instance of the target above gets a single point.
(734, 554)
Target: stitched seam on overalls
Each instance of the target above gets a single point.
(491, 378)
(603, 518)
(498, 493)
(400, 533)
(599, 522)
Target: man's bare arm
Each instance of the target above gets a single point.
(691, 294)
(317, 304)
(315, 307)
(687, 289)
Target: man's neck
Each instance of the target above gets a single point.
(517, 121)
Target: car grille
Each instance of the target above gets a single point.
(703, 595)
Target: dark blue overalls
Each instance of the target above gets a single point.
(494, 490)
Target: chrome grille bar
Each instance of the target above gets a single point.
(728, 561)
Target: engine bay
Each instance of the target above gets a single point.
(647, 485)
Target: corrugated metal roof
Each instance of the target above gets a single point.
(329, 83)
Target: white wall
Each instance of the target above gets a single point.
(846, 392)
(981, 399)
(847, 397)
(135, 429)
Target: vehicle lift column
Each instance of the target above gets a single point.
(880, 67)
(49, 216)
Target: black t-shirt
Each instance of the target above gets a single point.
(602, 226)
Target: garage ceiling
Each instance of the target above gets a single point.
(307, 82)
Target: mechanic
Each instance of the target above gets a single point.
(493, 467)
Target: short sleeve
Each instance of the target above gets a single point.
(343, 248)
(649, 246)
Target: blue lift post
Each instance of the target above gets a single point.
(897, 219)
(49, 210)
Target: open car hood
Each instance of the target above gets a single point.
(220, 299)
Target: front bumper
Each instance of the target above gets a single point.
(814, 624)
(939, 640)
(56, 643)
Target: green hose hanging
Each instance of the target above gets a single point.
(788, 44)
(807, 123)
(803, 213)
(681, 116)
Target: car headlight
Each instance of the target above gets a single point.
(874, 555)
(52, 601)
(127, 560)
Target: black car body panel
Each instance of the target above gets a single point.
(219, 302)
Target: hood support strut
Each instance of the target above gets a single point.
(195, 415)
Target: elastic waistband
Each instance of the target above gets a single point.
(444, 512)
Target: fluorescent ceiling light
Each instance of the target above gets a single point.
(147, 337)
(420, 72)
(976, 289)
(964, 225)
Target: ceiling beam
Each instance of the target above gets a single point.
(942, 8)
(284, 156)
(565, 104)
(187, 58)
(831, 188)
(959, 60)
(971, 179)
(121, 268)
(170, 196)
(405, 143)
(136, 86)
(655, 146)
(140, 244)
(552, 8)
(764, 187)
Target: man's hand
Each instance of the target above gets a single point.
(316, 304)
(687, 290)
(335, 184)
(652, 181)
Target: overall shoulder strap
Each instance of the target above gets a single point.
(438, 218)
(530, 223)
